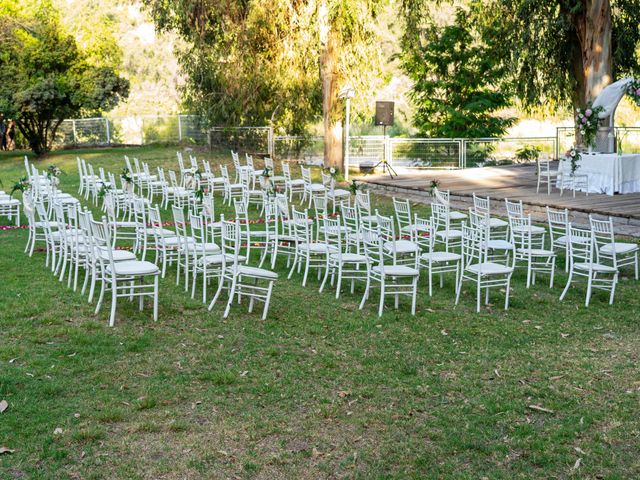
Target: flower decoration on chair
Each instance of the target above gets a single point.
(104, 189)
(125, 174)
(265, 180)
(199, 194)
(574, 157)
(53, 173)
(433, 186)
(21, 185)
(355, 186)
(633, 90)
(587, 123)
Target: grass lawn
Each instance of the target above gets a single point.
(318, 390)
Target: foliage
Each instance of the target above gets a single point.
(528, 153)
(104, 190)
(126, 176)
(633, 90)
(21, 185)
(257, 63)
(456, 88)
(587, 123)
(574, 157)
(45, 77)
(354, 186)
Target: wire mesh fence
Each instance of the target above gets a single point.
(478, 152)
(253, 140)
(131, 130)
(426, 152)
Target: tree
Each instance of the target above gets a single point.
(457, 81)
(562, 52)
(44, 76)
(555, 53)
(277, 62)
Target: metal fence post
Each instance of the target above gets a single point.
(106, 124)
(73, 125)
(179, 128)
(141, 130)
(270, 141)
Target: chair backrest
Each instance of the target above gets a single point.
(300, 227)
(26, 165)
(320, 206)
(140, 212)
(136, 163)
(231, 246)
(327, 180)
(156, 221)
(580, 245)
(385, 227)
(127, 162)
(173, 179)
(194, 162)
(558, 223)
(198, 230)
(271, 223)
(282, 203)
(402, 210)
(180, 162)
(249, 159)
(235, 158)
(306, 175)
(245, 180)
(333, 234)
(363, 202)
(544, 167)
(350, 218)
(473, 245)
(441, 196)
(440, 217)
(372, 243)
(206, 166)
(425, 233)
(101, 238)
(482, 204)
(520, 228)
(268, 163)
(603, 234)
(224, 171)
(286, 171)
(514, 209)
(208, 208)
(180, 223)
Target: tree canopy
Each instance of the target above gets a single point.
(45, 77)
(457, 82)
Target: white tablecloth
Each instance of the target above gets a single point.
(608, 172)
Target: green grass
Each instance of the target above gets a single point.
(329, 391)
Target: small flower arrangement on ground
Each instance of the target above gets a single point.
(587, 123)
(633, 90)
(573, 155)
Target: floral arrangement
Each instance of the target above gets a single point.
(266, 172)
(574, 157)
(21, 185)
(433, 186)
(633, 90)
(125, 174)
(199, 194)
(587, 123)
(104, 189)
(355, 186)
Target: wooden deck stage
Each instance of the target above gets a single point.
(515, 182)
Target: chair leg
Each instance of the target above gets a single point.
(265, 310)
(566, 288)
(381, 306)
(114, 298)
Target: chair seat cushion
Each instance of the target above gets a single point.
(165, 233)
(256, 272)
(414, 228)
(396, 271)
(489, 268)
(497, 222)
(596, 267)
(537, 252)
(449, 234)
(296, 181)
(352, 257)
(134, 267)
(440, 257)
(12, 202)
(124, 224)
(401, 246)
(455, 215)
(317, 247)
(339, 192)
(498, 244)
(316, 187)
(534, 229)
(118, 255)
(217, 259)
(619, 247)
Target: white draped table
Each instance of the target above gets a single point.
(608, 172)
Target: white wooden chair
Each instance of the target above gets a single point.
(499, 228)
(437, 262)
(608, 250)
(406, 224)
(443, 232)
(442, 197)
(126, 278)
(336, 195)
(393, 280)
(243, 281)
(399, 250)
(343, 265)
(292, 185)
(232, 191)
(572, 181)
(558, 221)
(530, 250)
(546, 176)
(314, 255)
(477, 268)
(582, 264)
(311, 189)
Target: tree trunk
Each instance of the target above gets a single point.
(593, 63)
(329, 78)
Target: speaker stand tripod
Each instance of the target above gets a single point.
(387, 169)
